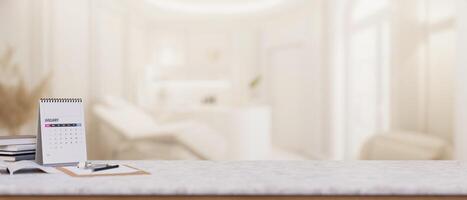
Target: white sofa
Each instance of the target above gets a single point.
(405, 145)
(127, 132)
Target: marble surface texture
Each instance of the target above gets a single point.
(256, 178)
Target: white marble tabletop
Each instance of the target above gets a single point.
(256, 178)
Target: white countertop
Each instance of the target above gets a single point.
(256, 178)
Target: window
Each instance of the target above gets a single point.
(366, 73)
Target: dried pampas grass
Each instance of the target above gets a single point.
(18, 103)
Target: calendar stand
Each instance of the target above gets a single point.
(61, 138)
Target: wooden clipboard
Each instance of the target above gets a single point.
(72, 174)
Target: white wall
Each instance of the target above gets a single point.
(293, 59)
(109, 37)
(68, 48)
(460, 137)
(15, 17)
(407, 99)
(336, 34)
(137, 55)
(422, 67)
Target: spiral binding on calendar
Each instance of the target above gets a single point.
(60, 100)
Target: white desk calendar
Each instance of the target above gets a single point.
(61, 137)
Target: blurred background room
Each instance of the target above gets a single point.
(243, 79)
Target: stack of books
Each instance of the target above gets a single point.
(15, 148)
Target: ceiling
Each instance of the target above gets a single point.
(216, 7)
